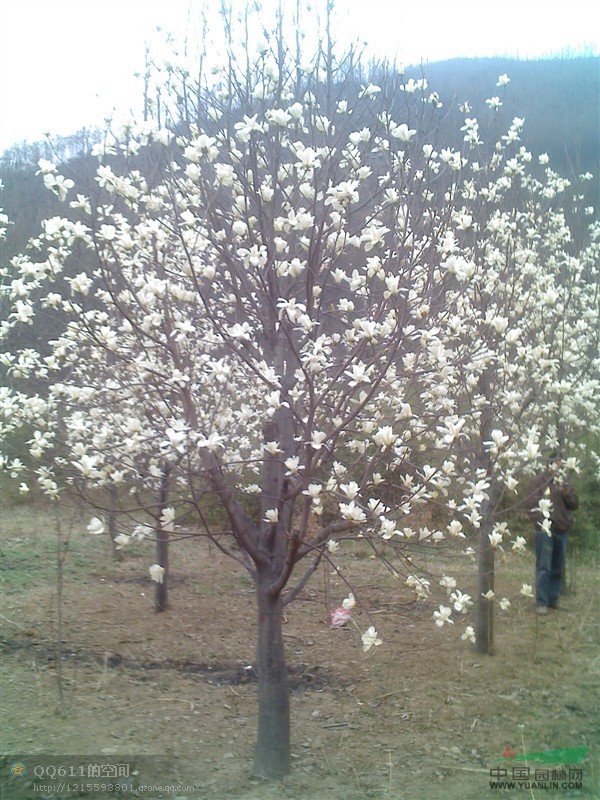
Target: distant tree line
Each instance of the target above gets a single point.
(561, 97)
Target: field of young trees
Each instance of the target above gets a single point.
(174, 694)
(292, 345)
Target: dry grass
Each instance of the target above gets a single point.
(420, 717)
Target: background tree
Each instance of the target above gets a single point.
(531, 295)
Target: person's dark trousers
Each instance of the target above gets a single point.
(550, 557)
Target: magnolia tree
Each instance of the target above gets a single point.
(531, 297)
(248, 321)
(266, 308)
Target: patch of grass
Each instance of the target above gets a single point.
(28, 547)
(26, 561)
(585, 538)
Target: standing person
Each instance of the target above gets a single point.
(550, 546)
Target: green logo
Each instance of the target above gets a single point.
(565, 755)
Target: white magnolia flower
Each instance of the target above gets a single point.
(317, 440)
(442, 616)
(495, 539)
(359, 373)
(272, 515)
(448, 583)
(333, 546)
(273, 448)
(388, 528)
(504, 604)
(519, 544)
(156, 573)
(498, 440)
(385, 437)
(292, 465)
(352, 512)
(296, 110)
(461, 602)
(405, 411)
(489, 595)
(525, 590)
(545, 506)
(351, 489)
(349, 602)
(96, 526)
(121, 540)
(369, 91)
(46, 167)
(532, 450)
(455, 529)
(167, 518)
(212, 442)
(87, 465)
(313, 490)
(469, 634)
(278, 116)
(370, 639)
(403, 133)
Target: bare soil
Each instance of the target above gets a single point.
(419, 718)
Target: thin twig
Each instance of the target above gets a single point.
(526, 763)
(391, 766)
(464, 769)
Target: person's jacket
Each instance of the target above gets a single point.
(564, 502)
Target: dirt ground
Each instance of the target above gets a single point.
(419, 718)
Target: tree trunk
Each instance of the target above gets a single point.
(272, 755)
(484, 609)
(567, 583)
(112, 520)
(161, 591)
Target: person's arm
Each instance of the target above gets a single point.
(570, 499)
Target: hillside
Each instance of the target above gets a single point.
(558, 98)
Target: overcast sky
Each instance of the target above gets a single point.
(67, 63)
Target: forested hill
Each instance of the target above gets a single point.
(558, 98)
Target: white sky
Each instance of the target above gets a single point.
(68, 63)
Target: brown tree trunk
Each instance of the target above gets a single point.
(161, 591)
(272, 754)
(484, 609)
(112, 520)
